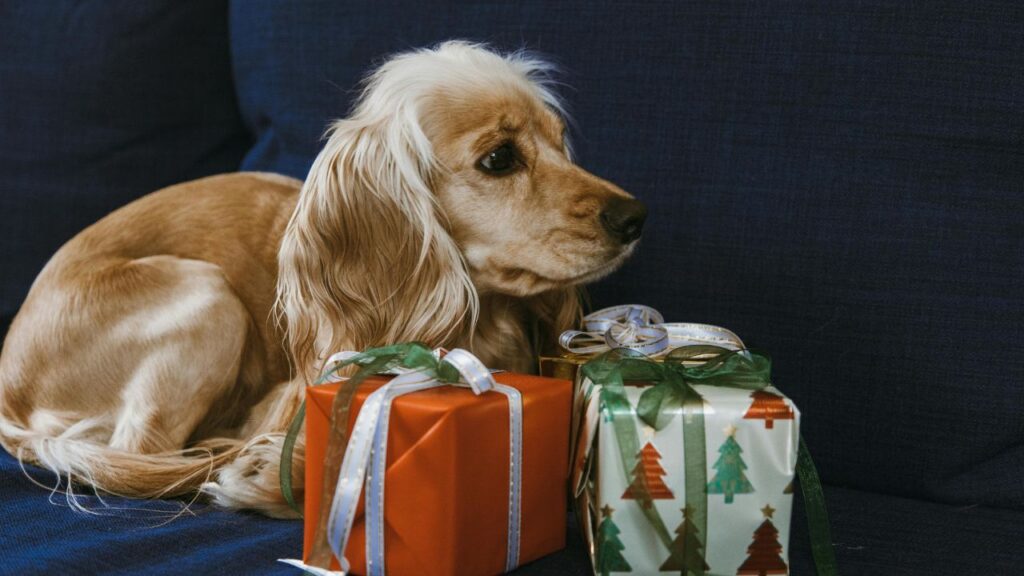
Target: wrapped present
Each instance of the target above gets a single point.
(686, 465)
(474, 465)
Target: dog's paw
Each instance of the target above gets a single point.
(252, 481)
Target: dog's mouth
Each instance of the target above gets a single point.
(607, 267)
(603, 269)
(521, 280)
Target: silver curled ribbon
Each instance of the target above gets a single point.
(643, 329)
(365, 460)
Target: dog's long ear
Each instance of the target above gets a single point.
(365, 260)
(555, 311)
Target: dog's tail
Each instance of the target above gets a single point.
(73, 457)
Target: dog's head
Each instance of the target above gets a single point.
(451, 178)
(526, 217)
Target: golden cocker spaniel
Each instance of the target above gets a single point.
(166, 348)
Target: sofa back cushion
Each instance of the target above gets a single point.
(100, 103)
(841, 186)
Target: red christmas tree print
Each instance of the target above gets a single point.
(768, 407)
(648, 471)
(763, 554)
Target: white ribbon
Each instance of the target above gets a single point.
(366, 459)
(643, 329)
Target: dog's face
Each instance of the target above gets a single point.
(448, 181)
(526, 218)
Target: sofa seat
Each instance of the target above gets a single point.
(873, 534)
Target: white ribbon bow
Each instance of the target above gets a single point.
(643, 329)
(366, 457)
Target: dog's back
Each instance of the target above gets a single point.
(150, 330)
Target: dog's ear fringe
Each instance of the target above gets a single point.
(365, 260)
(556, 311)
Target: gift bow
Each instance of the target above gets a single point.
(366, 454)
(642, 329)
(672, 390)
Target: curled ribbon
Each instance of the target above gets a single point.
(365, 457)
(644, 330)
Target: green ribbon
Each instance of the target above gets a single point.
(287, 452)
(672, 392)
(413, 356)
(817, 514)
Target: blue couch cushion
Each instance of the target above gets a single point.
(125, 536)
(873, 535)
(841, 186)
(100, 103)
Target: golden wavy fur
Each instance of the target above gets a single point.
(166, 348)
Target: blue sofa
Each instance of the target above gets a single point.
(842, 185)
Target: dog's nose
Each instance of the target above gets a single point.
(623, 218)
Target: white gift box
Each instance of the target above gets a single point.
(751, 447)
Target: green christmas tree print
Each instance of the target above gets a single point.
(609, 547)
(730, 479)
(686, 556)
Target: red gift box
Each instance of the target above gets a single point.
(446, 502)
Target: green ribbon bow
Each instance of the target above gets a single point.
(413, 356)
(672, 392)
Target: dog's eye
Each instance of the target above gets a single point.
(502, 160)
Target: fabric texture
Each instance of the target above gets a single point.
(840, 184)
(102, 102)
(873, 534)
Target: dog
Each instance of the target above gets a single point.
(165, 349)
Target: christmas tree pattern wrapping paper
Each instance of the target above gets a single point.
(751, 445)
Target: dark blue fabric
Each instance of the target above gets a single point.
(133, 537)
(878, 534)
(840, 184)
(40, 538)
(843, 186)
(873, 534)
(102, 102)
